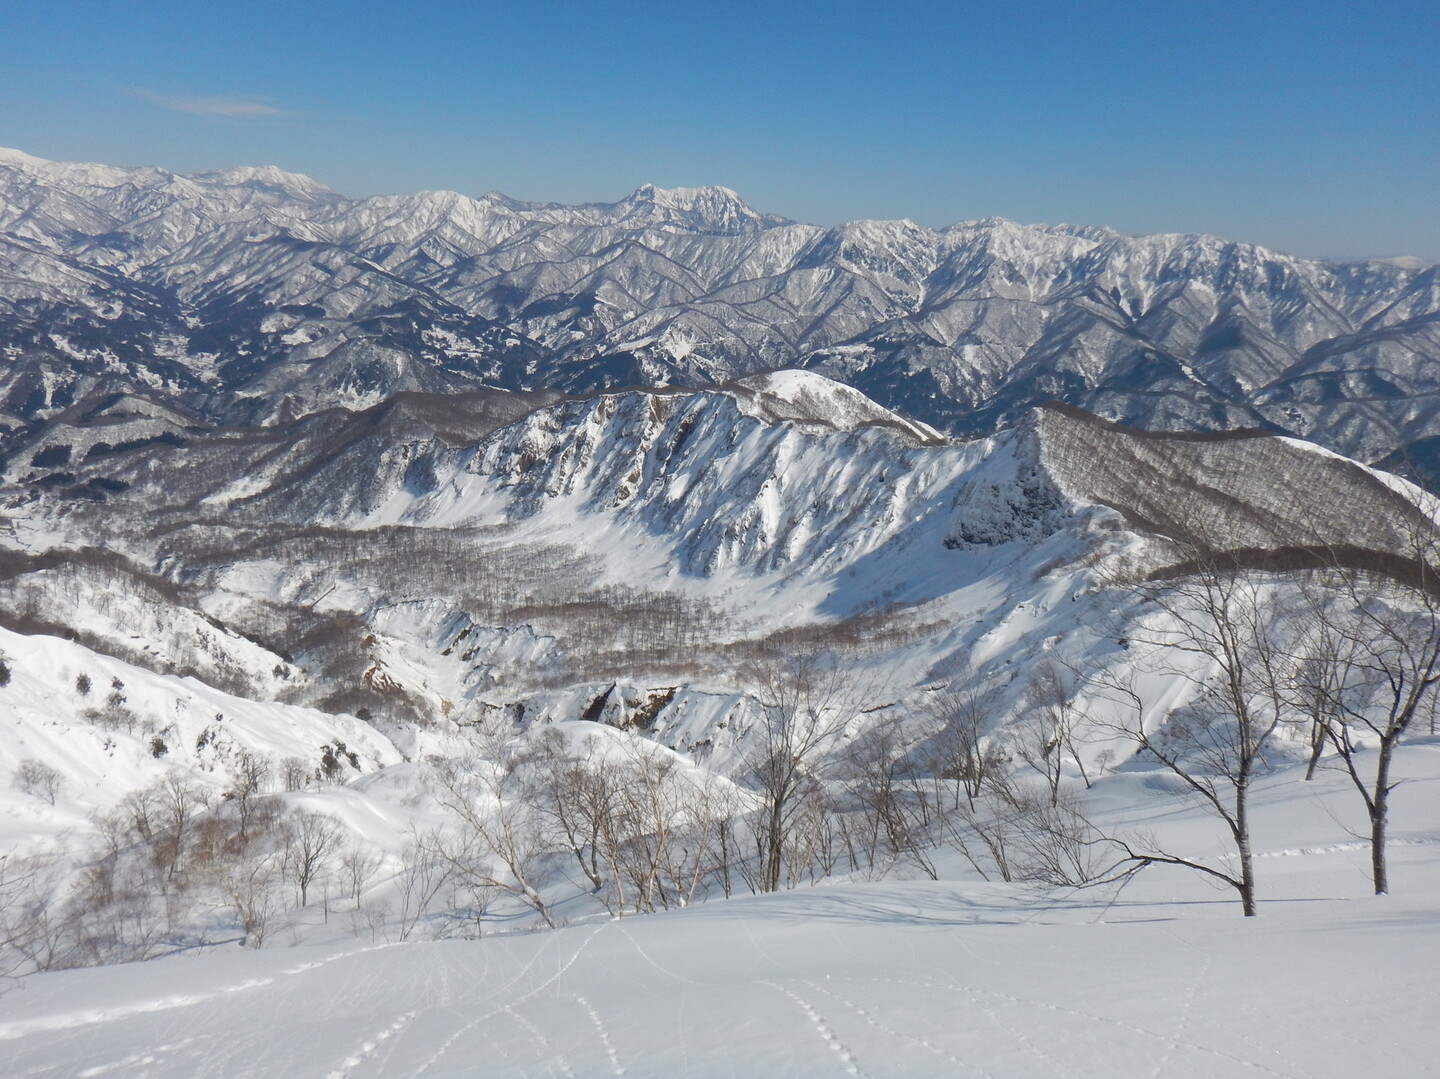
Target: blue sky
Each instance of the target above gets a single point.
(1312, 127)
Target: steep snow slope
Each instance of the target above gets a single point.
(107, 728)
(255, 295)
(682, 528)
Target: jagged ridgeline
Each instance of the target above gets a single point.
(256, 296)
(446, 557)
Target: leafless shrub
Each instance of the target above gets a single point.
(38, 779)
(32, 919)
(959, 752)
(252, 882)
(424, 873)
(500, 837)
(889, 813)
(358, 867)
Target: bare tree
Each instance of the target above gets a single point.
(1216, 627)
(960, 751)
(251, 883)
(312, 842)
(890, 812)
(159, 819)
(1047, 732)
(500, 835)
(358, 867)
(1371, 661)
(424, 873)
(38, 779)
(182, 802)
(806, 703)
(580, 795)
(252, 776)
(669, 828)
(295, 774)
(32, 923)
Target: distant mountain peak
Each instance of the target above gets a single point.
(9, 156)
(267, 176)
(1404, 262)
(711, 208)
(687, 198)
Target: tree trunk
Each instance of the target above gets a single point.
(774, 847)
(1379, 812)
(1242, 845)
(1317, 749)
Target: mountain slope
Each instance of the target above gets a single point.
(475, 595)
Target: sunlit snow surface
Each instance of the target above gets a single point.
(917, 978)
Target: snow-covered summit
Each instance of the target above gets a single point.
(295, 184)
(706, 209)
(19, 158)
(792, 396)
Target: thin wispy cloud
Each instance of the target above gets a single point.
(223, 106)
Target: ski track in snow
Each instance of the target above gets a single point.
(71, 1020)
(839, 1048)
(604, 1034)
(645, 955)
(890, 1031)
(471, 1024)
(145, 1059)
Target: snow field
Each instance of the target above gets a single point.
(902, 978)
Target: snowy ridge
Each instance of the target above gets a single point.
(743, 524)
(464, 537)
(1246, 491)
(805, 397)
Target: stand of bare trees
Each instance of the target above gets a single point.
(807, 701)
(1369, 665)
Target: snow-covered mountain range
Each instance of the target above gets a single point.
(453, 565)
(254, 295)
